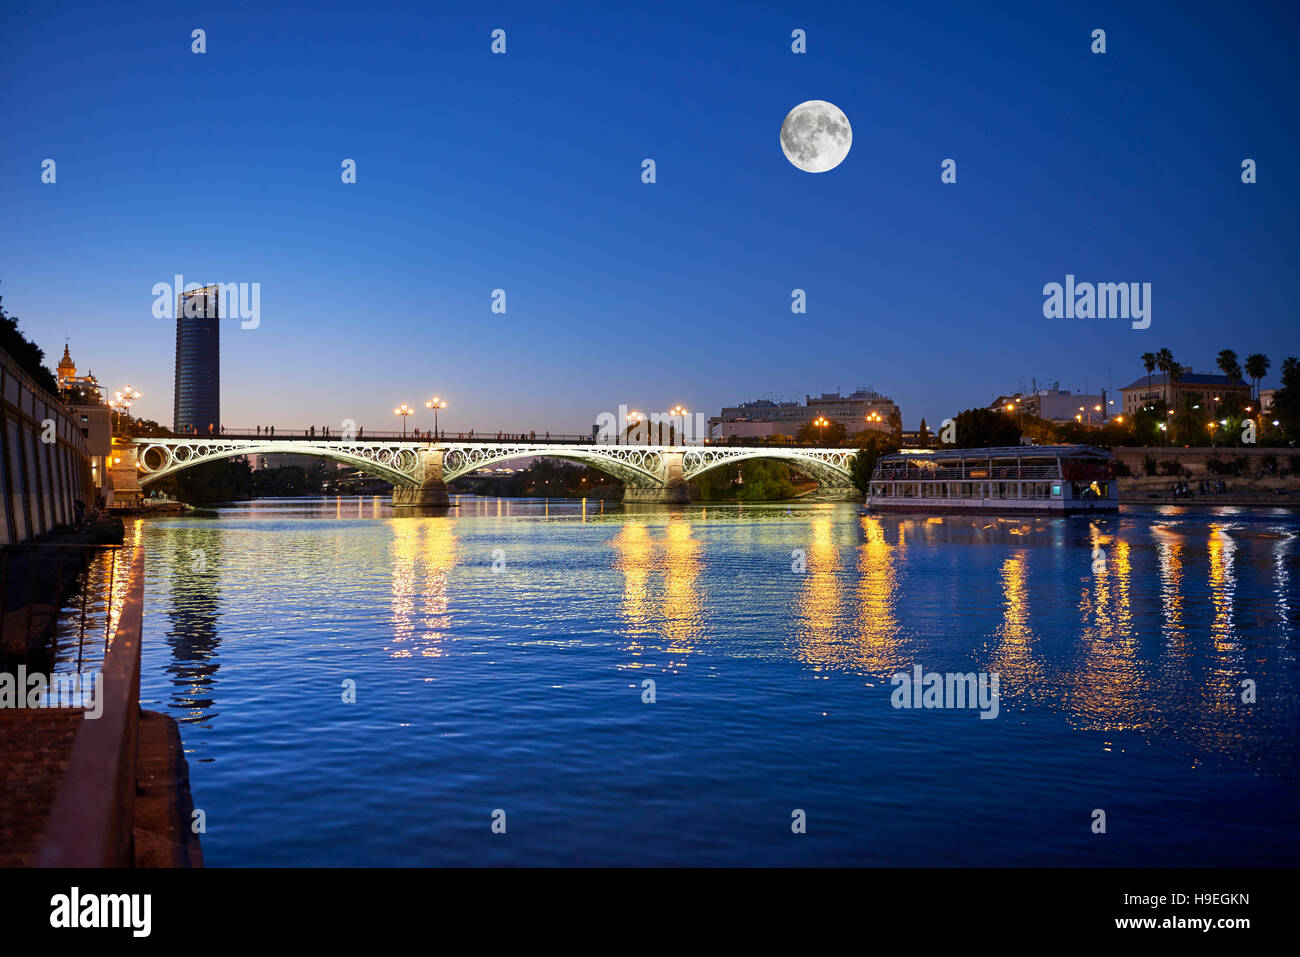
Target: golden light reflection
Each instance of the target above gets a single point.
(1169, 551)
(879, 648)
(673, 624)
(683, 626)
(1112, 689)
(424, 553)
(819, 640)
(1221, 678)
(1019, 669)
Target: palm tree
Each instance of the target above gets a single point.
(1149, 363)
(1165, 363)
(1227, 363)
(1257, 367)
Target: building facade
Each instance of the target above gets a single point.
(196, 407)
(1190, 389)
(1058, 405)
(859, 411)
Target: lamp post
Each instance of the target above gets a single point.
(821, 422)
(635, 417)
(403, 410)
(681, 413)
(124, 400)
(435, 403)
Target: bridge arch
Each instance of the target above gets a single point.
(399, 464)
(830, 467)
(634, 466)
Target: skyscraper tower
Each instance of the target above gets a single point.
(197, 403)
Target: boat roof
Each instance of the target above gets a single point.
(1001, 452)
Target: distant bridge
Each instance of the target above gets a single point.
(420, 468)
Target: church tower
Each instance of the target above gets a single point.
(67, 369)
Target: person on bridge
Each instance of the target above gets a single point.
(361, 432)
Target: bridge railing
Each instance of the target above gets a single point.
(446, 435)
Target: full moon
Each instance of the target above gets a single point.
(816, 136)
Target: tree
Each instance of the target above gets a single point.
(1256, 367)
(224, 480)
(28, 355)
(763, 480)
(1149, 363)
(924, 436)
(833, 433)
(872, 445)
(1165, 362)
(1286, 401)
(1229, 365)
(984, 428)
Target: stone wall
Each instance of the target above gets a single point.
(44, 465)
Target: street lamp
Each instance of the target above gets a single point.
(124, 400)
(680, 412)
(403, 410)
(635, 417)
(435, 403)
(821, 422)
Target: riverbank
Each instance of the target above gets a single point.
(86, 777)
(36, 579)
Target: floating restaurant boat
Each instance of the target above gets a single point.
(1038, 479)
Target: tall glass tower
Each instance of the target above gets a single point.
(197, 404)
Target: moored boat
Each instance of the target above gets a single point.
(1038, 479)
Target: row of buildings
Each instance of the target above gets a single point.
(866, 409)
(858, 411)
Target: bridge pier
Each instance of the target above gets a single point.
(657, 495)
(122, 486)
(432, 490)
(674, 489)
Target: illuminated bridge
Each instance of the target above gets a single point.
(420, 468)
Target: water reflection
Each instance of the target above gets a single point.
(818, 639)
(195, 559)
(1155, 636)
(671, 623)
(423, 554)
(1020, 670)
(1111, 691)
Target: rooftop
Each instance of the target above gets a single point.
(1002, 452)
(1187, 378)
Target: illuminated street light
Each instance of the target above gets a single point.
(403, 410)
(123, 400)
(435, 403)
(680, 411)
(821, 422)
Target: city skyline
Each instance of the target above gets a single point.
(620, 291)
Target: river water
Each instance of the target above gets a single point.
(499, 655)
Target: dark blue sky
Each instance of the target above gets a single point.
(522, 172)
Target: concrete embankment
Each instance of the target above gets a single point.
(90, 780)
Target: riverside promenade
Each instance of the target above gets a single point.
(104, 786)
